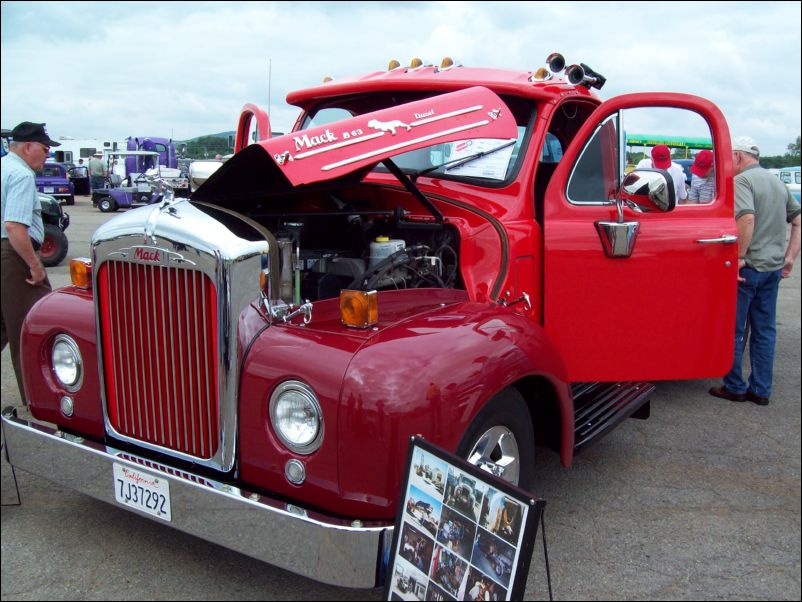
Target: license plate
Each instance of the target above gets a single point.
(142, 491)
(49, 189)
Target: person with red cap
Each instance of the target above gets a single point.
(703, 178)
(661, 159)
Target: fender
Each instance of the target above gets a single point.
(430, 376)
(65, 311)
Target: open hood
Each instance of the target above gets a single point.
(344, 151)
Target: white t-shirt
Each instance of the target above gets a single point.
(676, 172)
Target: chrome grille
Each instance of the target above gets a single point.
(158, 330)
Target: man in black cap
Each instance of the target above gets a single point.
(24, 279)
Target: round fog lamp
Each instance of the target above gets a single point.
(296, 417)
(67, 406)
(67, 362)
(295, 472)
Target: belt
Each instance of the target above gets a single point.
(36, 245)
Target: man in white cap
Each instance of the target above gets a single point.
(763, 208)
(97, 171)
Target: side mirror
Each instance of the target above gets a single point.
(649, 190)
(644, 190)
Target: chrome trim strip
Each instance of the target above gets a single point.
(314, 545)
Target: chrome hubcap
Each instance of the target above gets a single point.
(496, 452)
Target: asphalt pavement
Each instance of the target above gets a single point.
(699, 502)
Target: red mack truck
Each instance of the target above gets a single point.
(451, 252)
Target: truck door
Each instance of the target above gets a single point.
(667, 310)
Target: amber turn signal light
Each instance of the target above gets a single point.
(81, 272)
(359, 309)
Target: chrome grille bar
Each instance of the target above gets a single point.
(160, 350)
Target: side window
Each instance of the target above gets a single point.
(671, 139)
(677, 140)
(594, 178)
(785, 176)
(552, 149)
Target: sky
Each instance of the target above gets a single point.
(109, 70)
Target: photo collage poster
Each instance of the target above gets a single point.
(461, 532)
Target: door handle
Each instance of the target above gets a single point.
(727, 239)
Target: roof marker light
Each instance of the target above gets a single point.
(541, 75)
(448, 63)
(393, 64)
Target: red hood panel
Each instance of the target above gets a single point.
(330, 151)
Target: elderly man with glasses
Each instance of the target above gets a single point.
(763, 209)
(24, 279)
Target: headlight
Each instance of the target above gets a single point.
(296, 417)
(67, 362)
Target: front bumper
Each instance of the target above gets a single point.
(327, 549)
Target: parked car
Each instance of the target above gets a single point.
(55, 245)
(79, 176)
(685, 164)
(791, 177)
(52, 179)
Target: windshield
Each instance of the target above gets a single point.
(482, 161)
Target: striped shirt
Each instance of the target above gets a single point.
(20, 201)
(703, 190)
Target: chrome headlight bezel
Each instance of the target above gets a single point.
(65, 357)
(291, 392)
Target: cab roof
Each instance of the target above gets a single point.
(500, 81)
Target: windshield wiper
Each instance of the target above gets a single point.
(461, 161)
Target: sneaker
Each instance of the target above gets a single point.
(761, 401)
(724, 393)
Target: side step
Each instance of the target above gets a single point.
(600, 407)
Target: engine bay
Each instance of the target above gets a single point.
(328, 242)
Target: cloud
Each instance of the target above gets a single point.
(121, 68)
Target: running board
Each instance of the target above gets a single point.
(600, 407)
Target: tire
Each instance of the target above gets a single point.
(54, 247)
(501, 438)
(71, 200)
(106, 204)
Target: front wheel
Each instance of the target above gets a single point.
(54, 246)
(71, 200)
(106, 204)
(501, 440)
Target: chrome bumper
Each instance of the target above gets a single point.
(323, 548)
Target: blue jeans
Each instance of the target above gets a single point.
(97, 182)
(757, 307)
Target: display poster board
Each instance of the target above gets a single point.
(460, 533)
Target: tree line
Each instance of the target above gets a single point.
(791, 157)
(206, 147)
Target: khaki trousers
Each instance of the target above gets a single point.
(17, 299)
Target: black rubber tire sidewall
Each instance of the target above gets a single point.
(55, 235)
(111, 204)
(507, 409)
